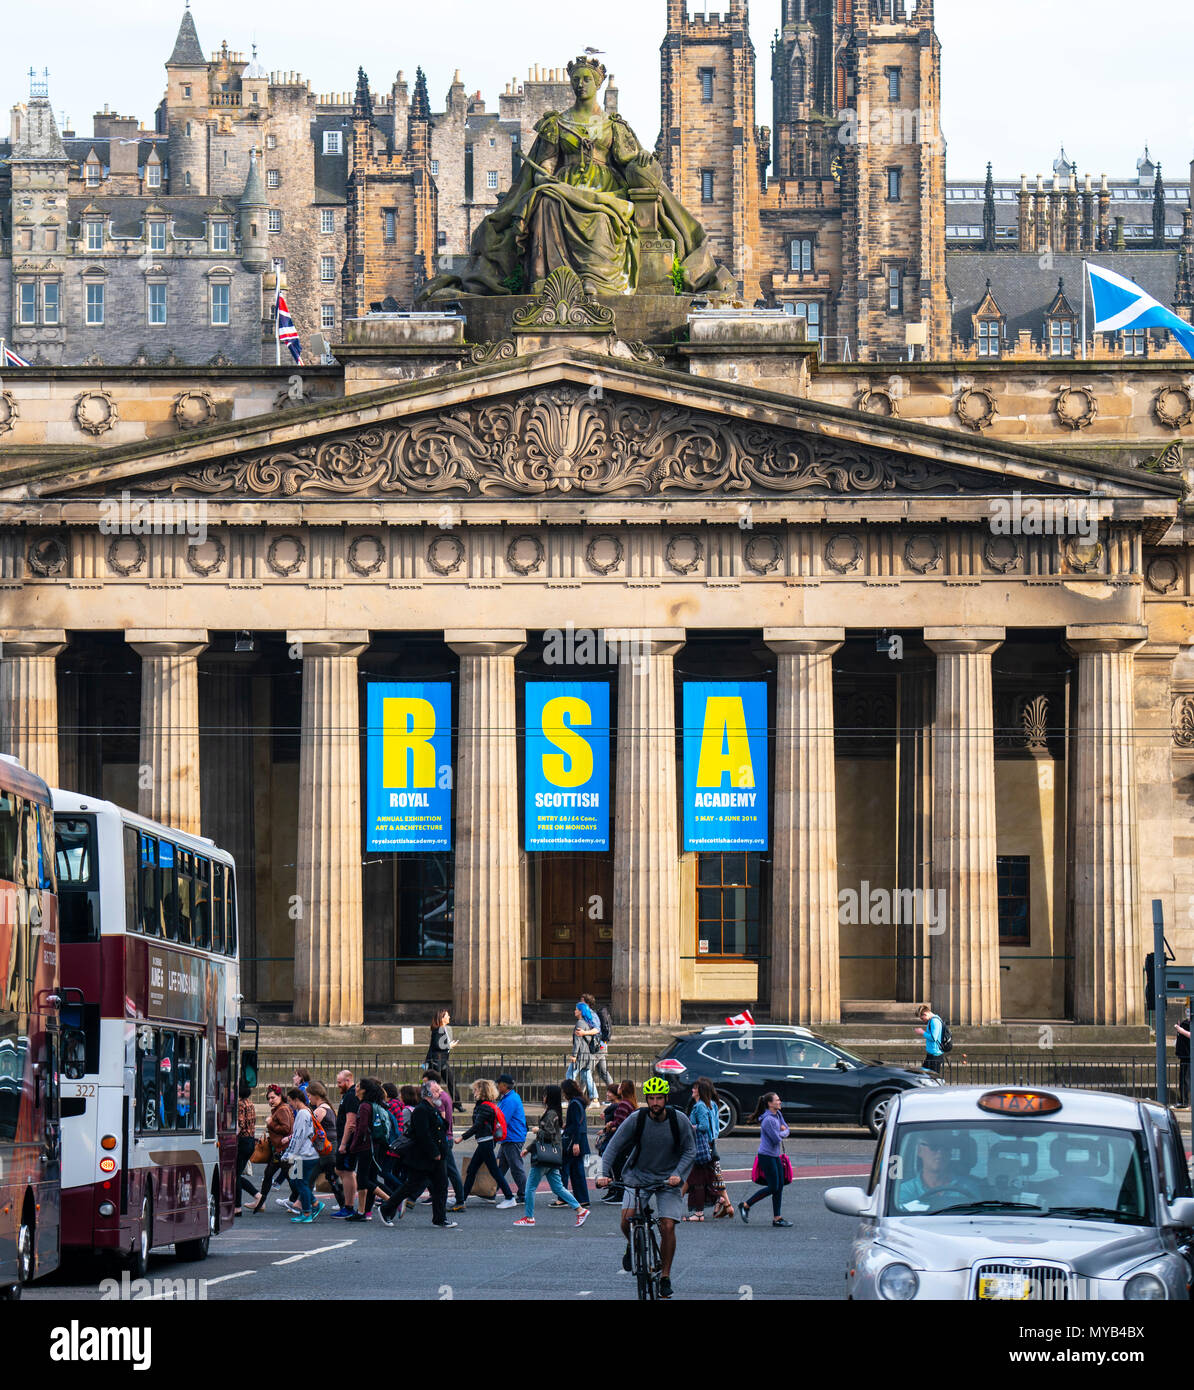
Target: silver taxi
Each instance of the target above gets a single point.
(1022, 1194)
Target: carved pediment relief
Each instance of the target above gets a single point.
(562, 440)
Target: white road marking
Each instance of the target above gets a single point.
(219, 1279)
(240, 1274)
(306, 1255)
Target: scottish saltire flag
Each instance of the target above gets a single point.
(13, 359)
(286, 331)
(1121, 305)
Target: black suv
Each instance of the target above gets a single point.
(815, 1079)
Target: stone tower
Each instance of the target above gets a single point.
(708, 145)
(893, 179)
(254, 240)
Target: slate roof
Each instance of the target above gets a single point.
(188, 213)
(188, 52)
(1024, 290)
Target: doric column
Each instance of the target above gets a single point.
(805, 964)
(914, 831)
(168, 776)
(646, 958)
(328, 933)
(965, 941)
(29, 699)
(487, 939)
(1108, 947)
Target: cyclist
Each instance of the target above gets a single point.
(660, 1152)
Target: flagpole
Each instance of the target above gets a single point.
(277, 295)
(1085, 277)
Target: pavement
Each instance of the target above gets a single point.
(486, 1257)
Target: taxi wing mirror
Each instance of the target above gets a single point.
(847, 1201)
(1181, 1212)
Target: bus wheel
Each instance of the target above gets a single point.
(138, 1261)
(9, 1292)
(197, 1249)
(25, 1256)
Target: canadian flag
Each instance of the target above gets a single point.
(742, 1020)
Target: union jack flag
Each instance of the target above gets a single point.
(286, 332)
(12, 359)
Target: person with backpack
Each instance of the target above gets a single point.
(488, 1128)
(774, 1172)
(423, 1152)
(660, 1152)
(301, 1154)
(938, 1039)
(325, 1118)
(580, 1063)
(510, 1149)
(600, 1044)
(546, 1153)
(374, 1129)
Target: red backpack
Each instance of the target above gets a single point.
(499, 1123)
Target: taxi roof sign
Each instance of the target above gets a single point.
(1019, 1102)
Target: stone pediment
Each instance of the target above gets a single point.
(565, 426)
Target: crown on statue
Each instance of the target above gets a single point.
(594, 65)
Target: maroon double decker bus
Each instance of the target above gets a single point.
(150, 1017)
(29, 1035)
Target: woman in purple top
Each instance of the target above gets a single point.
(772, 1133)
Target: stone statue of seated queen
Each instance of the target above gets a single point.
(589, 198)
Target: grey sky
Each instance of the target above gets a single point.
(1020, 75)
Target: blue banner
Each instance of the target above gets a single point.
(408, 797)
(567, 765)
(725, 765)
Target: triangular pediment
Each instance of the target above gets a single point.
(569, 426)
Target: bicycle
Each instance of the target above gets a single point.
(645, 1260)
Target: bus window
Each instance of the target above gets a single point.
(167, 1080)
(10, 826)
(25, 869)
(231, 912)
(167, 890)
(201, 903)
(185, 909)
(78, 879)
(151, 912)
(148, 1115)
(132, 877)
(45, 860)
(186, 1076)
(219, 907)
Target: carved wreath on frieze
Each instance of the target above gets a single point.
(559, 439)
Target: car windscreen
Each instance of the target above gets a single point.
(1014, 1167)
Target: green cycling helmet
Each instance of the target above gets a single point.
(656, 1086)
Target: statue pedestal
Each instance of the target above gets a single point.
(657, 254)
(643, 318)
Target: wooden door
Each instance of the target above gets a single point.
(576, 924)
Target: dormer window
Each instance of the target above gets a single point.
(91, 173)
(1061, 338)
(157, 234)
(333, 142)
(989, 337)
(93, 234)
(219, 235)
(153, 176)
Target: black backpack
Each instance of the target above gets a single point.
(605, 1022)
(947, 1038)
(637, 1142)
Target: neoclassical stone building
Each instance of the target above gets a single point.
(967, 597)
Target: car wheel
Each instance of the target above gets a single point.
(875, 1114)
(727, 1114)
(138, 1260)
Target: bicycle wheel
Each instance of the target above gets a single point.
(655, 1257)
(644, 1275)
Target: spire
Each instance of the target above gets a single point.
(254, 194)
(989, 216)
(188, 52)
(362, 106)
(420, 105)
(39, 139)
(1159, 211)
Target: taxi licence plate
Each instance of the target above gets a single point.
(1005, 1287)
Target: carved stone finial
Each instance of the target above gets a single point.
(1035, 715)
(564, 303)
